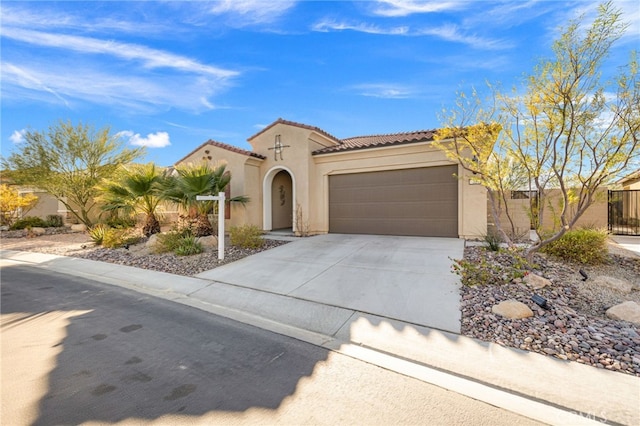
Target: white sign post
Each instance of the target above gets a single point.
(220, 199)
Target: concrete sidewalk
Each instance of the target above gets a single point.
(627, 242)
(536, 386)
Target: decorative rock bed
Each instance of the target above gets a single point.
(575, 326)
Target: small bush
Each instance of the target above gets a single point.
(55, 221)
(121, 222)
(585, 246)
(170, 241)
(246, 236)
(29, 222)
(188, 245)
(117, 237)
(98, 232)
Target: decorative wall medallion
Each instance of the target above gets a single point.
(282, 195)
(278, 148)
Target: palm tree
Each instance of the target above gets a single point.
(192, 180)
(136, 190)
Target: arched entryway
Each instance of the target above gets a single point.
(279, 199)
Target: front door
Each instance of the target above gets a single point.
(282, 201)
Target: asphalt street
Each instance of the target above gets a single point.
(77, 351)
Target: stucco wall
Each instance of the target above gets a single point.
(45, 206)
(594, 216)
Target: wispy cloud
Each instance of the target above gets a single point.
(45, 19)
(250, 12)
(328, 25)
(508, 14)
(396, 8)
(94, 85)
(105, 72)
(17, 136)
(18, 76)
(384, 90)
(453, 33)
(449, 32)
(152, 140)
(151, 58)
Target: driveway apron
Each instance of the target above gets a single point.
(404, 278)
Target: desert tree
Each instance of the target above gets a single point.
(569, 128)
(470, 136)
(69, 162)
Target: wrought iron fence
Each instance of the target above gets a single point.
(624, 212)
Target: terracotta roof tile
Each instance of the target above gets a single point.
(293, 123)
(374, 141)
(224, 146)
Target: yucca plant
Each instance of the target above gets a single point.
(98, 232)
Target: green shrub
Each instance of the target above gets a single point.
(29, 222)
(55, 221)
(118, 237)
(170, 241)
(246, 236)
(188, 245)
(121, 222)
(585, 246)
(97, 233)
(492, 271)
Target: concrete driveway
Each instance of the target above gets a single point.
(404, 278)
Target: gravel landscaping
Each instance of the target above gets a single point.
(573, 326)
(60, 241)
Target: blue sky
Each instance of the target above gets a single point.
(171, 75)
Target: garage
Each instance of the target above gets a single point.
(416, 202)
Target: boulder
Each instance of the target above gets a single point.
(38, 231)
(512, 309)
(79, 227)
(536, 281)
(612, 283)
(210, 241)
(626, 311)
(152, 243)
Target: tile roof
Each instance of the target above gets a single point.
(293, 123)
(224, 146)
(374, 141)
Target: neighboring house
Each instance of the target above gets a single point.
(631, 181)
(302, 178)
(45, 206)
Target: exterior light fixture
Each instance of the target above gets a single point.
(540, 301)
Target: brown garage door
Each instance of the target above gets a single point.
(420, 202)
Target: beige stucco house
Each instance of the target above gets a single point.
(630, 182)
(302, 178)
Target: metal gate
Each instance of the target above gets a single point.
(624, 212)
